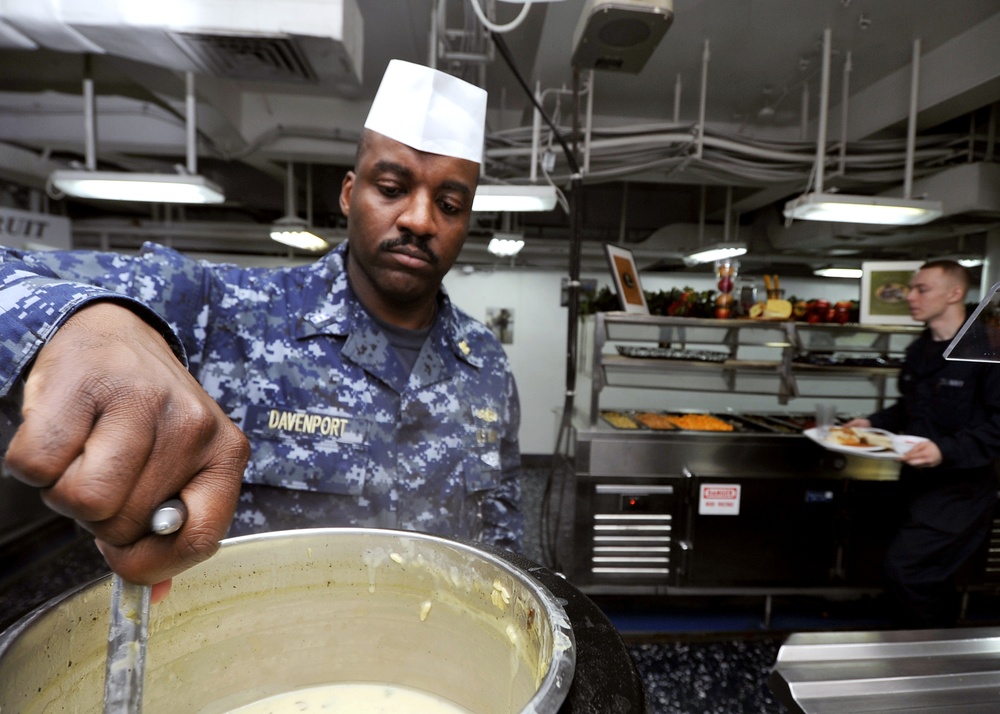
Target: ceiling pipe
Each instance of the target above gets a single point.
(191, 123)
(290, 207)
(677, 99)
(844, 102)
(705, 56)
(911, 125)
(89, 115)
(536, 132)
(432, 49)
(589, 124)
(824, 107)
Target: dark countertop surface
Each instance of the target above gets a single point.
(43, 564)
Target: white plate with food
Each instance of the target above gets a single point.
(901, 443)
(863, 441)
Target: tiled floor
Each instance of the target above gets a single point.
(727, 676)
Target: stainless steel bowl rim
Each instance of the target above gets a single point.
(554, 685)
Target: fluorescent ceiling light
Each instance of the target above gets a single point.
(294, 232)
(716, 252)
(303, 239)
(505, 245)
(854, 273)
(127, 186)
(514, 198)
(963, 259)
(862, 209)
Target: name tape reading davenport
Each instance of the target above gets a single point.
(283, 422)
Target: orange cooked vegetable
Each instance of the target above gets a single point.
(701, 422)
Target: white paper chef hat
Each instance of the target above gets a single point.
(430, 111)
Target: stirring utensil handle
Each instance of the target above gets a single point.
(169, 517)
(129, 629)
(126, 647)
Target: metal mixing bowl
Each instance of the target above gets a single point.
(283, 611)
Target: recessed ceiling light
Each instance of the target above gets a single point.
(848, 273)
(718, 251)
(293, 231)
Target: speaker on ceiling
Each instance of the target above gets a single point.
(620, 35)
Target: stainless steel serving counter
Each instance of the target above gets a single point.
(927, 671)
(751, 511)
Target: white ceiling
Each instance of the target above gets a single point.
(646, 182)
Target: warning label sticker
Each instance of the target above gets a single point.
(719, 499)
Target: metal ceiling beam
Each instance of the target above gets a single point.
(957, 77)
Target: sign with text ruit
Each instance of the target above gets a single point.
(33, 231)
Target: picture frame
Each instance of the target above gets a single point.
(884, 286)
(626, 278)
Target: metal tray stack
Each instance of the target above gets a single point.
(821, 359)
(669, 353)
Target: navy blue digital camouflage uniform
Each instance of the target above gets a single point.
(340, 432)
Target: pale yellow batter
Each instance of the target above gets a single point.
(354, 698)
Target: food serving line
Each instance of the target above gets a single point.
(766, 504)
(726, 503)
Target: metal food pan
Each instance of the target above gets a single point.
(725, 419)
(764, 423)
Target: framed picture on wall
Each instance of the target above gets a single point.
(626, 277)
(884, 286)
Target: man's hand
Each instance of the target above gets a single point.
(113, 426)
(924, 455)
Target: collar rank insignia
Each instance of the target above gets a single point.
(488, 415)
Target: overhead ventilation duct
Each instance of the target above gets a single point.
(620, 35)
(299, 41)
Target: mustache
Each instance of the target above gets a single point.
(407, 239)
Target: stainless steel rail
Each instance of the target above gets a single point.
(926, 671)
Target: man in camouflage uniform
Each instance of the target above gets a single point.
(367, 398)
